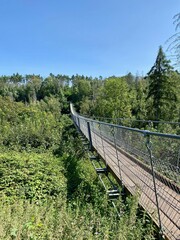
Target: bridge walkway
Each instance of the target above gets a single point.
(146, 163)
(139, 181)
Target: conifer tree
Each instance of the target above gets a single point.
(161, 91)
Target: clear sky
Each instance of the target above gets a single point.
(90, 37)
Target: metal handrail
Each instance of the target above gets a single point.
(144, 132)
(133, 120)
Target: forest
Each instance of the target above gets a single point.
(46, 191)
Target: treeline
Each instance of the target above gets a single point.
(153, 97)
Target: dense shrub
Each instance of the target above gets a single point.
(30, 126)
(31, 176)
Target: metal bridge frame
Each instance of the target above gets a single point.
(86, 124)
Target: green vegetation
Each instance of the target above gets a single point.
(48, 188)
(29, 175)
(161, 89)
(154, 97)
(84, 214)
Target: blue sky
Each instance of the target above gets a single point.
(90, 37)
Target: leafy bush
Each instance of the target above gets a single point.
(31, 176)
(32, 126)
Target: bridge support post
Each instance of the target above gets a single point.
(149, 145)
(89, 134)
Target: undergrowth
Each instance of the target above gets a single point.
(77, 209)
(48, 188)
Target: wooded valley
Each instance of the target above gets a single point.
(48, 188)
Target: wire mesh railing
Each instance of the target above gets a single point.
(147, 164)
(160, 126)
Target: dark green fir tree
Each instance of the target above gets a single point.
(161, 90)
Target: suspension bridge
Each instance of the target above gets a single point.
(146, 163)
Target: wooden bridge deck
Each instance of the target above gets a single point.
(139, 181)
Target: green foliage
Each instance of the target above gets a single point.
(140, 108)
(161, 89)
(55, 220)
(48, 189)
(113, 101)
(86, 215)
(30, 126)
(29, 175)
(126, 97)
(33, 86)
(80, 90)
